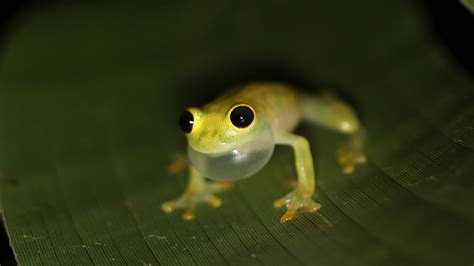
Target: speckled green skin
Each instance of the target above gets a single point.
(274, 104)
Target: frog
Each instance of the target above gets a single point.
(233, 137)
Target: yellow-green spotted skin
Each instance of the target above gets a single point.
(213, 131)
(278, 108)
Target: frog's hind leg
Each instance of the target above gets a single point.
(197, 191)
(301, 197)
(351, 152)
(329, 111)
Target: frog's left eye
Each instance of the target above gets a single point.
(186, 121)
(242, 116)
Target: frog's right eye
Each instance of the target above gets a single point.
(186, 121)
(242, 116)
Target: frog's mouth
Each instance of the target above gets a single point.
(239, 162)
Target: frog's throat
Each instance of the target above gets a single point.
(239, 162)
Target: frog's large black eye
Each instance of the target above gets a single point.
(242, 116)
(186, 121)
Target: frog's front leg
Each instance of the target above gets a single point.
(197, 191)
(301, 197)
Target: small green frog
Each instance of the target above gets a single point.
(233, 137)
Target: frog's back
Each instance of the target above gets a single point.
(275, 102)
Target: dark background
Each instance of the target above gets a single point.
(451, 22)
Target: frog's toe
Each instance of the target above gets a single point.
(287, 216)
(181, 161)
(283, 200)
(296, 202)
(217, 187)
(312, 206)
(348, 168)
(349, 157)
(189, 214)
(278, 203)
(168, 206)
(180, 203)
(214, 201)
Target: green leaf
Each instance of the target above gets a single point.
(90, 92)
(469, 4)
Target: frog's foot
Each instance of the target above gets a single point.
(180, 162)
(295, 202)
(349, 156)
(191, 197)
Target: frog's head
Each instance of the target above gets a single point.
(227, 142)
